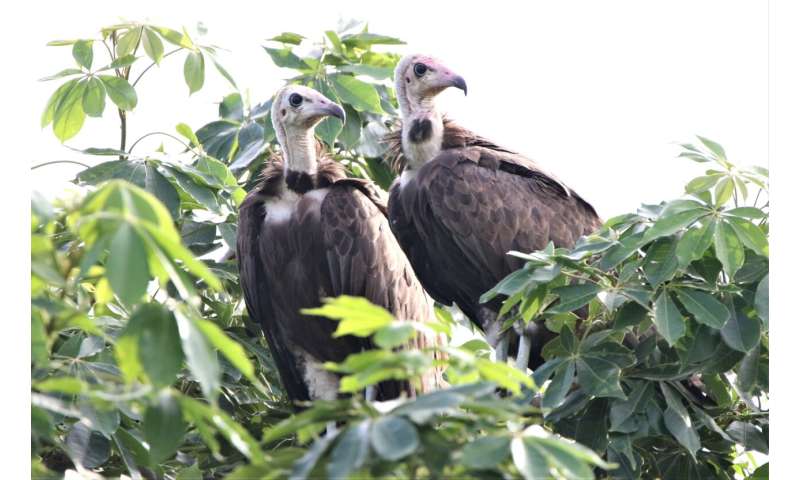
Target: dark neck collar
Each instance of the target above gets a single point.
(300, 182)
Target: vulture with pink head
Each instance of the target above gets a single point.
(462, 203)
(307, 232)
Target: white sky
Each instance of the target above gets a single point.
(597, 92)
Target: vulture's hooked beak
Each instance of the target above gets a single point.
(459, 83)
(329, 109)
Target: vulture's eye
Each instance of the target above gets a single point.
(420, 69)
(295, 99)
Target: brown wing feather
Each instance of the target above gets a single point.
(467, 208)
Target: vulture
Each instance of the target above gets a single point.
(462, 203)
(307, 232)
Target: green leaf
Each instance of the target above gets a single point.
(559, 386)
(288, 37)
(159, 350)
(762, 300)
(661, 261)
(227, 76)
(741, 332)
(701, 184)
(86, 447)
(94, 97)
(529, 460)
(82, 53)
(357, 315)
(599, 376)
(160, 187)
(55, 100)
(750, 213)
(187, 132)
(393, 437)
(393, 335)
(694, 243)
(126, 267)
(680, 426)
(728, 248)
(153, 46)
(750, 235)
(486, 453)
(202, 359)
(283, 57)
(715, 147)
(705, 308)
(163, 427)
(667, 225)
(749, 436)
(668, 319)
(621, 410)
(127, 43)
(574, 297)
(68, 116)
(194, 71)
(350, 451)
(232, 350)
(723, 192)
(351, 133)
(132, 451)
(120, 92)
(360, 95)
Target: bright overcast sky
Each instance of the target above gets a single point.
(597, 92)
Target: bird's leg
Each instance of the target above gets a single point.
(523, 352)
(369, 393)
(330, 429)
(501, 348)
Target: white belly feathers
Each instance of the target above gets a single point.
(281, 209)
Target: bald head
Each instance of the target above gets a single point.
(296, 110)
(419, 78)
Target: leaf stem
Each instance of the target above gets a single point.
(59, 161)
(153, 64)
(159, 133)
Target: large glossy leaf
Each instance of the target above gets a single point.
(194, 71)
(661, 261)
(200, 356)
(360, 95)
(393, 437)
(159, 350)
(705, 308)
(68, 114)
(120, 92)
(153, 46)
(163, 427)
(693, 244)
(742, 331)
(86, 447)
(485, 453)
(668, 319)
(350, 451)
(82, 53)
(94, 97)
(127, 265)
(762, 300)
(728, 248)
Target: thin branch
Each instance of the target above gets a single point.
(153, 64)
(159, 133)
(59, 161)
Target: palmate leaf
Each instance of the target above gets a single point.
(194, 71)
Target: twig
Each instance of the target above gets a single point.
(159, 133)
(153, 64)
(59, 161)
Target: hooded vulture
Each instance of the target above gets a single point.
(462, 203)
(308, 232)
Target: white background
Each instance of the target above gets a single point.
(595, 91)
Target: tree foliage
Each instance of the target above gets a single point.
(145, 363)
